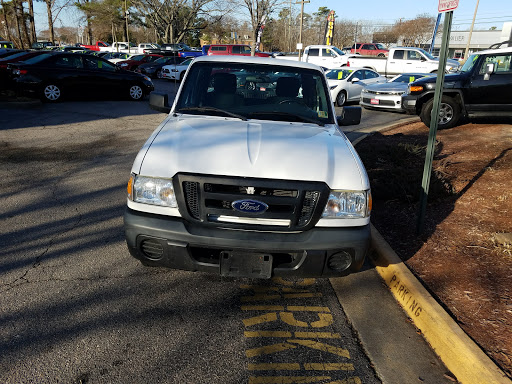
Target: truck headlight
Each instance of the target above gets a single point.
(348, 204)
(152, 190)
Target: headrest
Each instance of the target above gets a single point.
(287, 87)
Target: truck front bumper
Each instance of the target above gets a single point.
(409, 104)
(165, 241)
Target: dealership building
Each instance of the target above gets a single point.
(480, 40)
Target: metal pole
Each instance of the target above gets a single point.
(471, 31)
(301, 22)
(126, 18)
(435, 33)
(434, 120)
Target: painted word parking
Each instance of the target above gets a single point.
(291, 335)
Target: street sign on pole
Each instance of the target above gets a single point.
(447, 5)
(434, 119)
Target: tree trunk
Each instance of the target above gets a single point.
(50, 20)
(6, 23)
(18, 28)
(33, 36)
(24, 23)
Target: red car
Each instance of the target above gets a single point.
(233, 49)
(370, 49)
(133, 63)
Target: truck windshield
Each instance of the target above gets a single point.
(338, 51)
(426, 54)
(470, 62)
(256, 91)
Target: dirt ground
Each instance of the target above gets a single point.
(464, 255)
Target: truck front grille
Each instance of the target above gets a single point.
(292, 205)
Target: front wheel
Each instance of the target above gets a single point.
(159, 74)
(341, 99)
(449, 113)
(51, 93)
(381, 55)
(136, 92)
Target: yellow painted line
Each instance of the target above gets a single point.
(274, 367)
(293, 290)
(259, 288)
(260, 298)
(262, 308)
(268, 334)
(287, 317)
(268, 317)
(317, 335)
(325, 319)
(322, 347)
(301, 295)
(457, 351)
(328, 367)
(268, 349)
(304, 282)
(350, 380)
(297, 308)
(288, 379)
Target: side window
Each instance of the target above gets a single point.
(413, 55)
(246, 50)
(502, 63)
(313, 52)
(371, 47)
(365, 46)
(326, 52)
(68, 62)
(97, 64)
(399, 54)
(370, 74)
(237, 49)
(358, 74)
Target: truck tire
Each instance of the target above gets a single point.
(341, 99)
(449, 112)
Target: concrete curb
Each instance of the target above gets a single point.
(458, 352)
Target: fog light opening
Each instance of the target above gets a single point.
(339, 261)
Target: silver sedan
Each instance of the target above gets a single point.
(347, 83)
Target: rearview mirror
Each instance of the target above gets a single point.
(159, 102)
(349, 116)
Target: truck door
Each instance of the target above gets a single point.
(493, 94)
(313, 56)
(414, 62)
(395, 64)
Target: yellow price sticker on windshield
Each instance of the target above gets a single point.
(340, 75)
(411, 79)
(100, 64)
(322, 114)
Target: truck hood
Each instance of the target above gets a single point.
(261, 149)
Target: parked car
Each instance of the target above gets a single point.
(54, 75)
(176, 47)
(6, 44)
(42, 45)
(346, 84)
(202, 52)
(154, 69)
(369, 49)
(13, 58)
(234, 49)
(481, 88)
(133, 62)
(327, 56)
(176, 71)
(388, 95)
(116, 57)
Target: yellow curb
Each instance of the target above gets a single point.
(453, 346)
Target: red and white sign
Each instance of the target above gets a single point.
(447, 5)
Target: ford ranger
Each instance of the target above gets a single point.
(255, 182)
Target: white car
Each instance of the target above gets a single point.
(116, 57)
(175, 71)
(389, 95)
(346, 84)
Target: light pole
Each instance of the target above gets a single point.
(126, 13)
(471, 31)
(301, 23)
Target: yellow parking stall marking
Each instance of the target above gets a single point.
(304, 282)
(317, 335)
(350, 380)
(262, 308)
(288, 379)
(298, 308)
(328, 367)
(260, 289)
(260, 298)
(301, 295)
(325, 319)
(322, 347)
(268, 334)
(268, 349)
(274, 367)
(268, 317)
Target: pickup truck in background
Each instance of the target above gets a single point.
(250, 182)
(97, 47)
(233, 49)
(327, 56)
(188, 54)
(481, 88)
(369, 49)
(402, 60)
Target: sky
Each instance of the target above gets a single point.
(380, 12)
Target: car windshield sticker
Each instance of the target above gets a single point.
(100, 64)
(322, 114)
(411, 79)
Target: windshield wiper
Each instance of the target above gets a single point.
(212, 109)
(287, 114)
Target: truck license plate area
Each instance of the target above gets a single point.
(374, 101)
(242, 264)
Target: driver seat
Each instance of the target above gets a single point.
(287, 88)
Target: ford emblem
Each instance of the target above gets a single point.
(249, 206)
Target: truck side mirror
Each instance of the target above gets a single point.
(489, 70)
(349, 116)
(159, 102)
